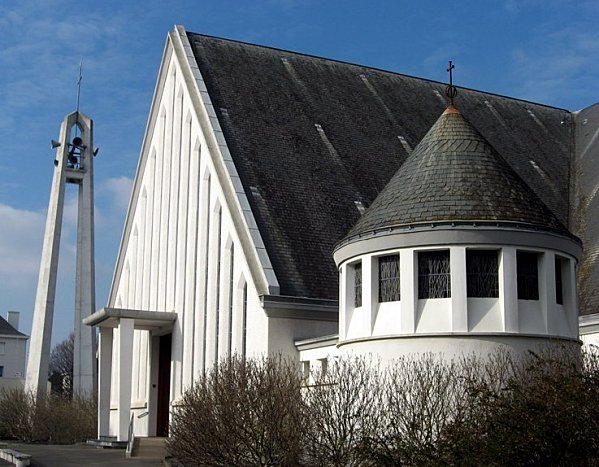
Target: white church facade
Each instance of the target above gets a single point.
(266, 218)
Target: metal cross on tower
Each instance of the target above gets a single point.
(451, 90)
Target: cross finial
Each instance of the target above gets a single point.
(79, 83)
(451, 90)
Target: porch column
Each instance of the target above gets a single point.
(125, 375)
(104, 376)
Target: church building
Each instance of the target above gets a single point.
(295, 205)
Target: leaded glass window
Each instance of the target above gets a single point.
(559, 285)
(389, 278)
(482, 278)
(358, 285)
(434, 280)
(527, 270)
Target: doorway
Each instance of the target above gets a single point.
(164, 384)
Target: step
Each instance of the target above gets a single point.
(149, 447)
(19, 459)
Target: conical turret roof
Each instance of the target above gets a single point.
(455, 175)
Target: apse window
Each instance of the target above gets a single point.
(305, 371)
(482, 273)
(434, 280)
(559, 280)
(527, 271)
(358, 285)
(389, 288)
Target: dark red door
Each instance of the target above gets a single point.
(164, 383)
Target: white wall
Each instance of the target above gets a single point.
(182, 233)
(458, 314)
(284, 332)
(12, 356)
(449, 347)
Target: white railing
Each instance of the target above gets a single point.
(130, 439)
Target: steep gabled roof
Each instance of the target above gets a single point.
(7, 330)
(454, 174)
(314, 139)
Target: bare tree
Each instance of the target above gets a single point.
(60, 367)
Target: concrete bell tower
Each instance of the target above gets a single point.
(73, 164)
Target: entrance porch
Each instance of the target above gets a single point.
(160, 325)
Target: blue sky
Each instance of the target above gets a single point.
(541, 50)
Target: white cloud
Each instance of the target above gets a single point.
(21, 240)
(118, 190)
(20, 244)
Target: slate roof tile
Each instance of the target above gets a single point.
(274, 99)
(454, 174)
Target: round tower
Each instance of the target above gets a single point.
(456, 255)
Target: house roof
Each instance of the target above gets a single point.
(454, 174)
(7, 330)
(314, 140)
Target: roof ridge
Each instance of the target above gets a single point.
(374, 68)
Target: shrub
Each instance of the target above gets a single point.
(16, 414)
(422, 396)
(60, 420)
(544, 412)
(240, 413)
(343, 413)
(53, 419)
(423, 411)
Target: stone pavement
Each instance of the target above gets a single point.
(52, 455)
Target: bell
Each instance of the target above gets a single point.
(77, 141)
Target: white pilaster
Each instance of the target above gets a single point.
(105, 377)
(571, 297)
(459, 289)
(344, 303)
(409, 289)
(547, 291)
(508, 289)
(369, 292)
(125, 366)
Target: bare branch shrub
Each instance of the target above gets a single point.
(63, 420)
(343, 412)
(53, 419)
(240, 413)
(495, 410)
(422, 396)
(16, 414)
(545, 412)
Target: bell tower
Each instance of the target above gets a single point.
(73, 164)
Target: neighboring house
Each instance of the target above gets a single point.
(266, 218)
(13, 346)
